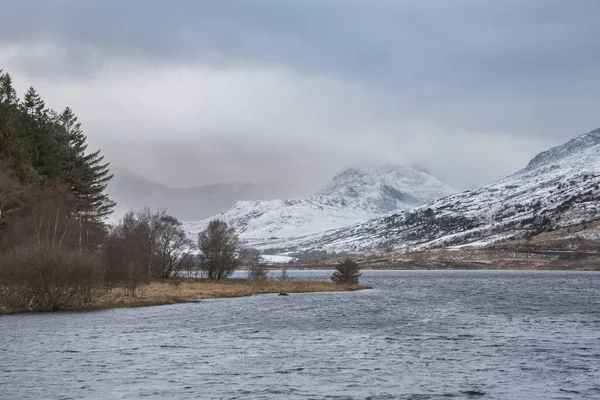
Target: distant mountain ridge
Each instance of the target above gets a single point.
(132, 191)
(559, 187)
(353, 195)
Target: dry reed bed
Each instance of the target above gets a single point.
(173, 292)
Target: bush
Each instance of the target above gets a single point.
(347, 272)
(258, 272)
(41, 278)
(284, 275)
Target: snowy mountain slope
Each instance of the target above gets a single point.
(559, 187)
(385, 189)
(354, 195)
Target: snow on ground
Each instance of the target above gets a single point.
(590, 234)
(276, 259)
(353, 196)
(558, 188)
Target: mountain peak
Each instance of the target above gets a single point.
(572, 147)
(387, 187)
(354, 195)
(559, 188)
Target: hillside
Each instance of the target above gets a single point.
(354, 195)
(558, 188)
(574, 248)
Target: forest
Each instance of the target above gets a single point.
(56, 248)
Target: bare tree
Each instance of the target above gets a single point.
(346, 272)
(258, 272)
(146, 245)
(171, 245)
(11, 196)
(189, 262)
(284, 275)
(39, 278)
(152, 221)
(251, 258)
(220, 246)
(42, 266)
(127, 253)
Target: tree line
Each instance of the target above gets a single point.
(55, 245)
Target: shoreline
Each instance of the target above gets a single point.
(189, 290)
(450, 268)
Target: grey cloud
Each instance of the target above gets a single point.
(435, 74)
(426, 51)
(503, 40)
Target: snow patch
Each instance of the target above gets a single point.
(276, 259)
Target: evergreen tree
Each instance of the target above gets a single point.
(73, 135)
(41, 134)
(8, 94)
(95, 178)
(14, 149)
(346, 272)
(33, 104)
(86, 174)
(43, 146)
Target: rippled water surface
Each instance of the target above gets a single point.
(418, 335)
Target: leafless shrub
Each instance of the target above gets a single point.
(127, 254)
(284, 275)
(46, 262)
(258, 272)
(176, 282)
(47, 217)
(41, 278)
(249, 256)
(146, 245)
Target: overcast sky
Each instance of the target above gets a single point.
(191, 92)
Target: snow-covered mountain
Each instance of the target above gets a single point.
(559, 187)
(384, 189)
(354, 195)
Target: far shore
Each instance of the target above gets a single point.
(194, 290)
(450, 267)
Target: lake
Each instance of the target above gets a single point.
(417, 335)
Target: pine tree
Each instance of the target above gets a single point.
(86, 174)
(44, 147)
(41, 136)
(346, 272)
(73, 135)
(97, 176)
(8, 94)
(14, 149)
(33, 104)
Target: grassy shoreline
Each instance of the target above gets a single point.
(193, 290)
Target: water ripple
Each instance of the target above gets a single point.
(420, 335)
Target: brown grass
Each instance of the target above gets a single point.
(190, 290)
